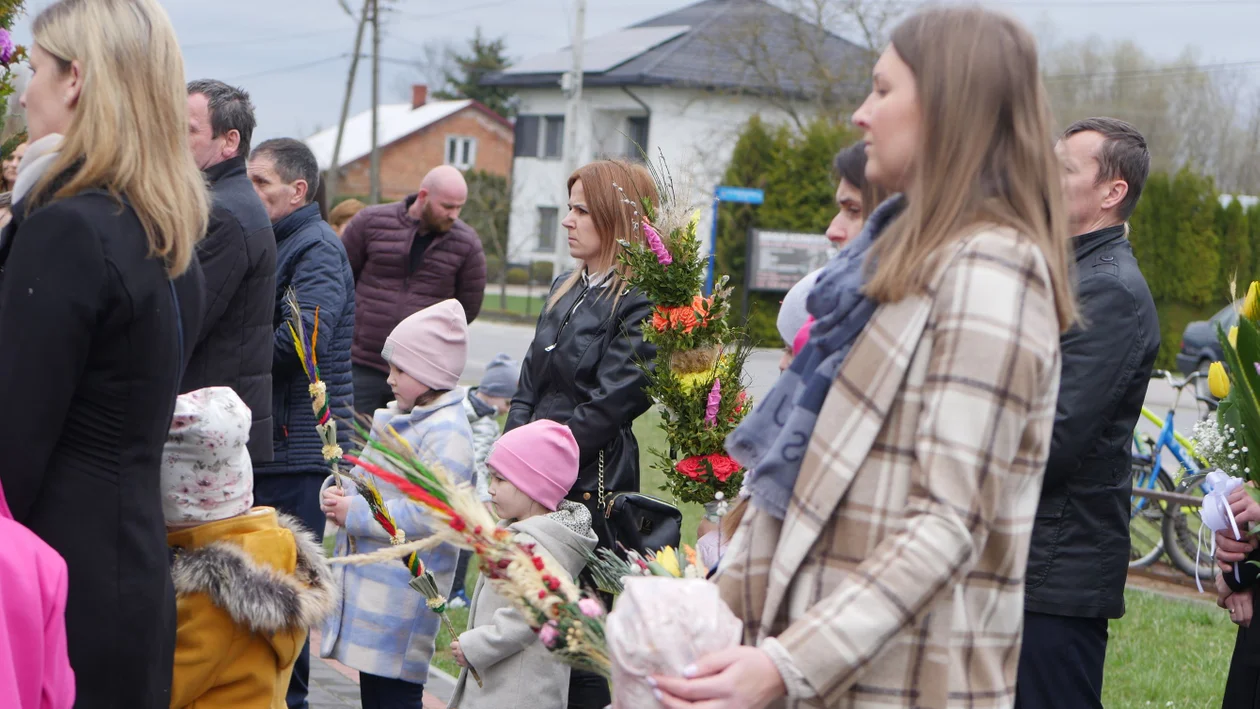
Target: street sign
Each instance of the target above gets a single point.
(738, 195)
(743, 195)
(778, 259)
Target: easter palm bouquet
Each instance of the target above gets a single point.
(696, 378)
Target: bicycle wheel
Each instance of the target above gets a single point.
(1146, 538)
(1181, 534)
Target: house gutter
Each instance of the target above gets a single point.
(638, 100)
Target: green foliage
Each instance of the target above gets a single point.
(484, 56)
(542, 272)
(1188, 247)
(794, 169)
(487, 209)
(517, 276)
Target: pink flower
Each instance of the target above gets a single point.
(590, 608)
(549, 634)
(6, 47)
(656, 245)
(715, 401)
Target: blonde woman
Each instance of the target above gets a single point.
(99, 304)
(899, 460)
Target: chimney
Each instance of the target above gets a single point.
(419, 94)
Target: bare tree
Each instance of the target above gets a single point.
(434, 62)
(812, 58)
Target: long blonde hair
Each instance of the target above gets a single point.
(985, 150)
(129, 132)
(613, 218)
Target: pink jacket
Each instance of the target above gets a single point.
(34, 668)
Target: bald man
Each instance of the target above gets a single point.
(407, 256)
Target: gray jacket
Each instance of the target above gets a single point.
(516, 670)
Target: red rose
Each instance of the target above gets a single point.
(693, 468)
(723, 466)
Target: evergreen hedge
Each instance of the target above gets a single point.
(1188, 245)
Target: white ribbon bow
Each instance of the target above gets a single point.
(1217, 515)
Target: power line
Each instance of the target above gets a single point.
(1155, 73)
(448, 13)
(292, 67)
(262, 40)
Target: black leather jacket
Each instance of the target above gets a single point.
(582, 370)
(1079, 556)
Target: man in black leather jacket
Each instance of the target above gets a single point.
(1079, 556)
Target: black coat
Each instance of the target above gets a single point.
(88, 375)
(238, 259)
(311, 259)
(1079, 557)
(582, 370)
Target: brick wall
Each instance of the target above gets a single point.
(405, 162)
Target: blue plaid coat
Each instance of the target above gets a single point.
(381, 625)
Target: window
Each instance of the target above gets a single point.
(548, 220)
(637, 137)
(539, 137)
(554, 145)
(527, 136)
(461, 151)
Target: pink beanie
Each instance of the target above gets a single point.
(431, 345)
(540, 459)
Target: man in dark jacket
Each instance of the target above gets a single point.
(238, 259)
(1080, 546)
(407, 256)
(311, 260)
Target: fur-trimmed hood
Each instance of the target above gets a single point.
(254, 594)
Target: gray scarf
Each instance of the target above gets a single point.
(771, 441)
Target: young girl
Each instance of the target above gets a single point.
(532, 469)
(249, 582)
(34, 668)
(382, 627)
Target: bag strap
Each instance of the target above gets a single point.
(601, 481)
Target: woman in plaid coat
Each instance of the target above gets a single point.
(898, 461)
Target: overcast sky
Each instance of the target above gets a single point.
(293, 55)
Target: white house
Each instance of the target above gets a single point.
(670, 85)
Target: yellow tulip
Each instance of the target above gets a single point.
(1251, 305)
(669, 561)
(1218, 380)
(695, 220)
(1233, 337)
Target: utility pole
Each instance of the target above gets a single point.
(345, 104)
(573, 89)
(572, 84)
(375, 167)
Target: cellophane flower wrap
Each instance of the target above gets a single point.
(696, 378)
(660, 626)
(1234, 446)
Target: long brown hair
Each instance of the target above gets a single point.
(609, 185)
(985, 152)
(129, 132)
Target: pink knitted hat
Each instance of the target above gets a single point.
(540, 459)
(431, 345)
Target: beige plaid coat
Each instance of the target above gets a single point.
(897, 577)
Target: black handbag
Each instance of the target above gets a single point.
(639, 522)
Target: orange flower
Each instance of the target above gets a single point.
(701, 306)
(659, 321)
(686, 318)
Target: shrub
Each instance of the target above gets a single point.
(517, 276)
(542, 272)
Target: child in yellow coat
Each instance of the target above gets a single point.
(249, 582)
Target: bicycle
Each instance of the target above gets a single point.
(1157, 528)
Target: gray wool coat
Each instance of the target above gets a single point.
(516, 670)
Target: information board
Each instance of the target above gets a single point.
(778, 259)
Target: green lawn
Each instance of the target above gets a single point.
(516, 304)
(1167, 653)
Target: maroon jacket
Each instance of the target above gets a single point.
(378, 241)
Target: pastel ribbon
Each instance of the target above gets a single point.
(1217, 515)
